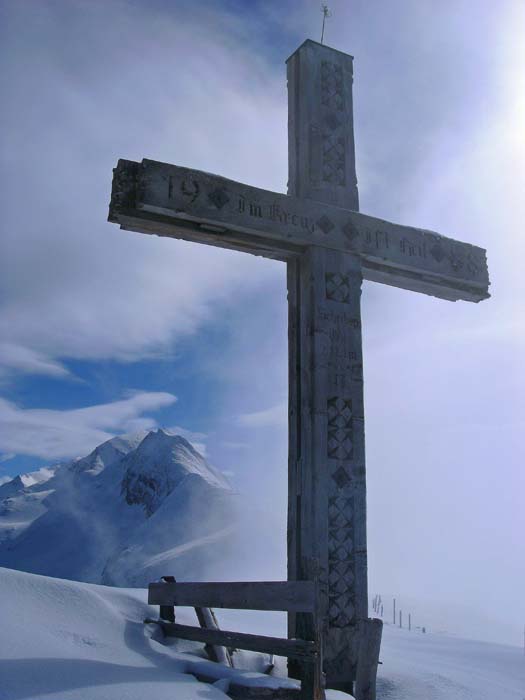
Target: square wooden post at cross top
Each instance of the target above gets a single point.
(329, 248)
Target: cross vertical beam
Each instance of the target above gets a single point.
(327, 487)
(321, 151)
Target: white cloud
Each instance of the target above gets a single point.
(276, 416)
(52, 434)
(71, 284)
(17, 358)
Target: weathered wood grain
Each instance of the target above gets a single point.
(297, 596)
(368, 660)
(296, 648)
(207, 620)
(174, 201)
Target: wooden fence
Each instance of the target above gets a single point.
(289, 596)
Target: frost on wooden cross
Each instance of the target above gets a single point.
(329, 247)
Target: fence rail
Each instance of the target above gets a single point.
(287, 596)
(292, 648)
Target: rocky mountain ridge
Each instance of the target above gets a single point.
(125, 514)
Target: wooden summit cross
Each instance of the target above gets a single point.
(329, 249)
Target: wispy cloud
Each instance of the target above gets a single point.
(53, 434)
(270, 417)
(18, 358)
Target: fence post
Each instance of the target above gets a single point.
(167, 612)
(368, 659)
(207, 620)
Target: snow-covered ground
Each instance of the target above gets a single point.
(441, 667)
(64, 640)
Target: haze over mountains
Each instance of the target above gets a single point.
(136, 508)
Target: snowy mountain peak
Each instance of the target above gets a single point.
(26, 481)
(130, 511)
(159, 464)
(108, 452)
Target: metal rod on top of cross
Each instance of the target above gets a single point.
(326, 13)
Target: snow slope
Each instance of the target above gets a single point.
(126, 514)
(63, 640)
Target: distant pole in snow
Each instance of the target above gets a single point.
(409, 622)
(394, 611)
(401, 618)
(381, 609)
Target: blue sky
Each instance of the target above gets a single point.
(103, 331)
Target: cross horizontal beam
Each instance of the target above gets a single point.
(169, 200)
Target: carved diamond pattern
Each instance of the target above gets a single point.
(339, 412)
(337, 287)
(339, 587)
(332, 121)
(339, 520)
(340, 429)
(341, 576)
(350, 232)
(340, 561)
(340, 534)
(339, 613)
(340, 511)
(332, 86)
(341, 477)
(325, 224)
(334, 159)
(339, 444)
(218, 197)
(332, 99)
(339, 551)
